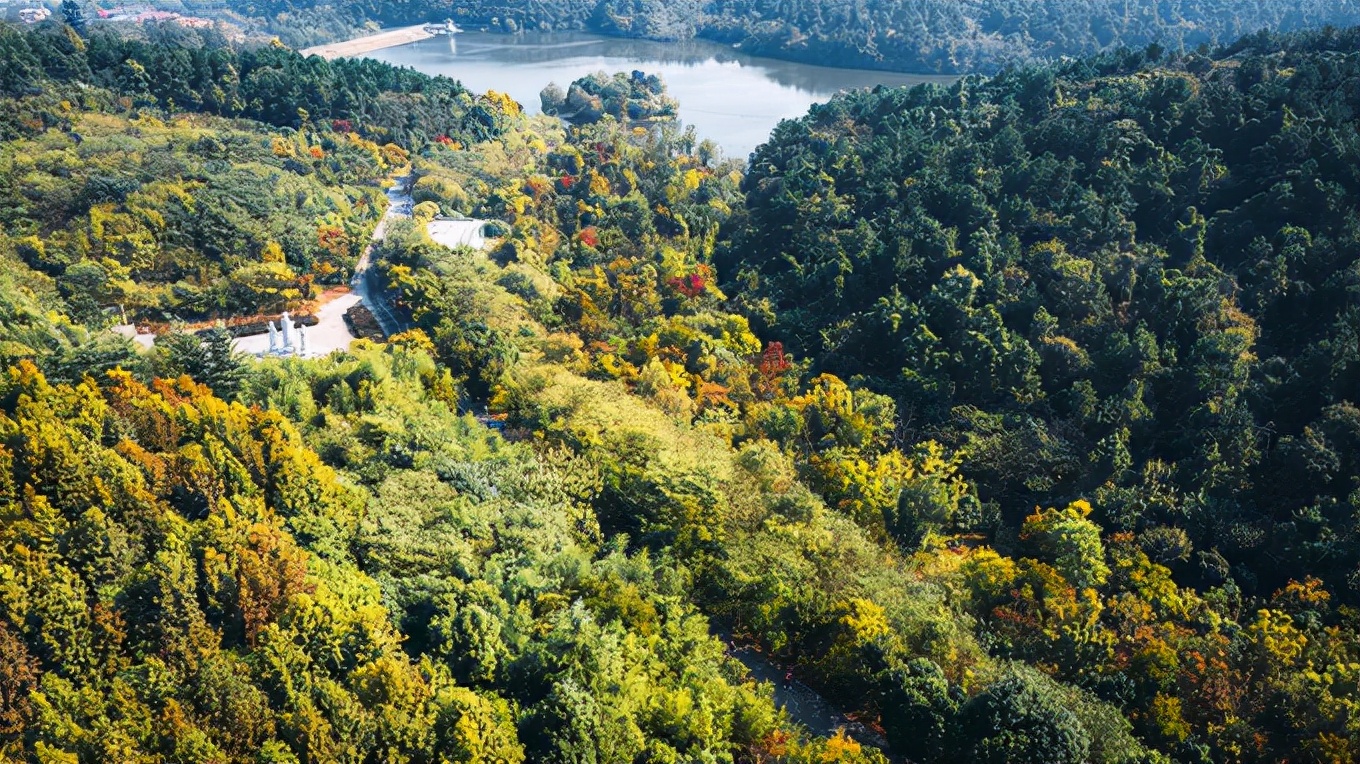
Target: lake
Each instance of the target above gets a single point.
(733, 98)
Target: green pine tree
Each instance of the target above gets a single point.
(74, 15)
(207, 357)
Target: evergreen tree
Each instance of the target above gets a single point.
(208, 358)
(919, 709)
(73, 15)
(1020, 719)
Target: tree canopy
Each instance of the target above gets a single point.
(928, 36)
(1014, 418)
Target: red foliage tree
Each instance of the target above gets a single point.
(773, 362)
(771, 368)
(690, 286)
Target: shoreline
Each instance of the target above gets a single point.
(393, 38)
(358, 46)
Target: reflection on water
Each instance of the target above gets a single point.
(728, 96)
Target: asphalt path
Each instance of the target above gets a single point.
(399, 205)
(332, 332)
(802, 703)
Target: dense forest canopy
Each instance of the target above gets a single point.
(1122, 275)
(137, 173)
(632, 97)
(320, 561)
(1074, 339)
(1015, 417)
(925, 36)
(1129, 279)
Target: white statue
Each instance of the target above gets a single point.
(286, 325)
(302, 341)
(273, 338)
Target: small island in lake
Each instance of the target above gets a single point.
(635, 97)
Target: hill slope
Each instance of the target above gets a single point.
(925, 36)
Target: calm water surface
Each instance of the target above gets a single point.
(728, 96)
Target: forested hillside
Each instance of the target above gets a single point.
(926, 36)
(315, 561)
(1129, 279)
(597, 331)
(135, 173)
(1014, 418)
(1060, 389)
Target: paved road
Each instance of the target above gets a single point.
(802, 703)
(332, 332)
(399, 204)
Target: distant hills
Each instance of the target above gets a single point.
(928, 35)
